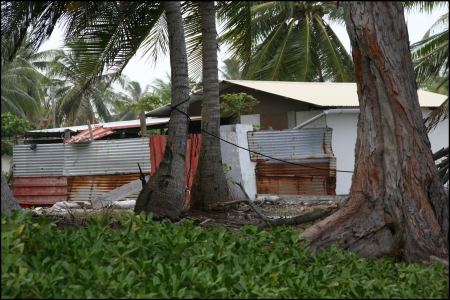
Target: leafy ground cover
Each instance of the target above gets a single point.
(142, 258)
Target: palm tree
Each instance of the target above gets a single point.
(22, 87)
(210, 186)
(285, 40)
(76, 101)
(430, 56)
(125, 105)
(232, 69)
(164, 193)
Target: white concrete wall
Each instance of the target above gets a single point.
(242, 168)
(344, 140)
(6, 163)
(439, 135)
(343, 144)
(302, 116)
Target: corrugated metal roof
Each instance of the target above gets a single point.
(114, 125)
(45, 160)
(85, 136)
(107, 157)
(325, 93)
(291, 145)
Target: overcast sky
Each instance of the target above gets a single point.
(143, 70)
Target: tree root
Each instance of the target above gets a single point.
(297, 220)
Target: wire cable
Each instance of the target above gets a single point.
(270, 157)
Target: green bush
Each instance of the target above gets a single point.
(147, 259)
(12, 127)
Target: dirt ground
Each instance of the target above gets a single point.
(233, 216)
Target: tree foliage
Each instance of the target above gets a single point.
(236, 104)
(12, 127)
(285, 40)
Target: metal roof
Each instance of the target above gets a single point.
(113, 125)
(85, 136)
(325, 93)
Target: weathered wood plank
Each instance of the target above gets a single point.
(119, 193)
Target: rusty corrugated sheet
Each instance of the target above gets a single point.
(291, 145)
(289, 179)
(87, 188)
(107, 157)
(310, 167)
(40, 190)
(85, 136)
(45, 160)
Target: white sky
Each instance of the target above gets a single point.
(143, 70)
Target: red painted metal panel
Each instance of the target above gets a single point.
(157, 148)
(192, 157)
(40, 181)
(40, 190)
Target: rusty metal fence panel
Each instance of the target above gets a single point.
(107, 157)
(87, 188)
(310, 167)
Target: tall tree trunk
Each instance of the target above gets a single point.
(397, 204)
(164, 193)
(210, 186)
(8, 203)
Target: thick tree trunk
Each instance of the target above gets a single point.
(397, 203)
(9, 203)
(210, 186)
(164, 193)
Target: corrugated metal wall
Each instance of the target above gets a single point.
(46, 160)
(314, 168)
(107, 157)
(87, 188)
(291, 144)
(40, 190)
(77, 172)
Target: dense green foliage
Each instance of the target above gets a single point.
(12, 127)
(148, 259)
(236, 104)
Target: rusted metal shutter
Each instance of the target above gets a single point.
(107, 157)
(310, 167)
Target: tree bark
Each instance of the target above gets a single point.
(9, 203)
(210, 186)
(397, 204)
(164, 193)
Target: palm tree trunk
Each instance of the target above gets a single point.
(210, 186)
(8, 203)
(164, 193)
(397, 203)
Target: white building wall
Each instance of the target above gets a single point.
(344, 139)
(6, 163)
(242, 168)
